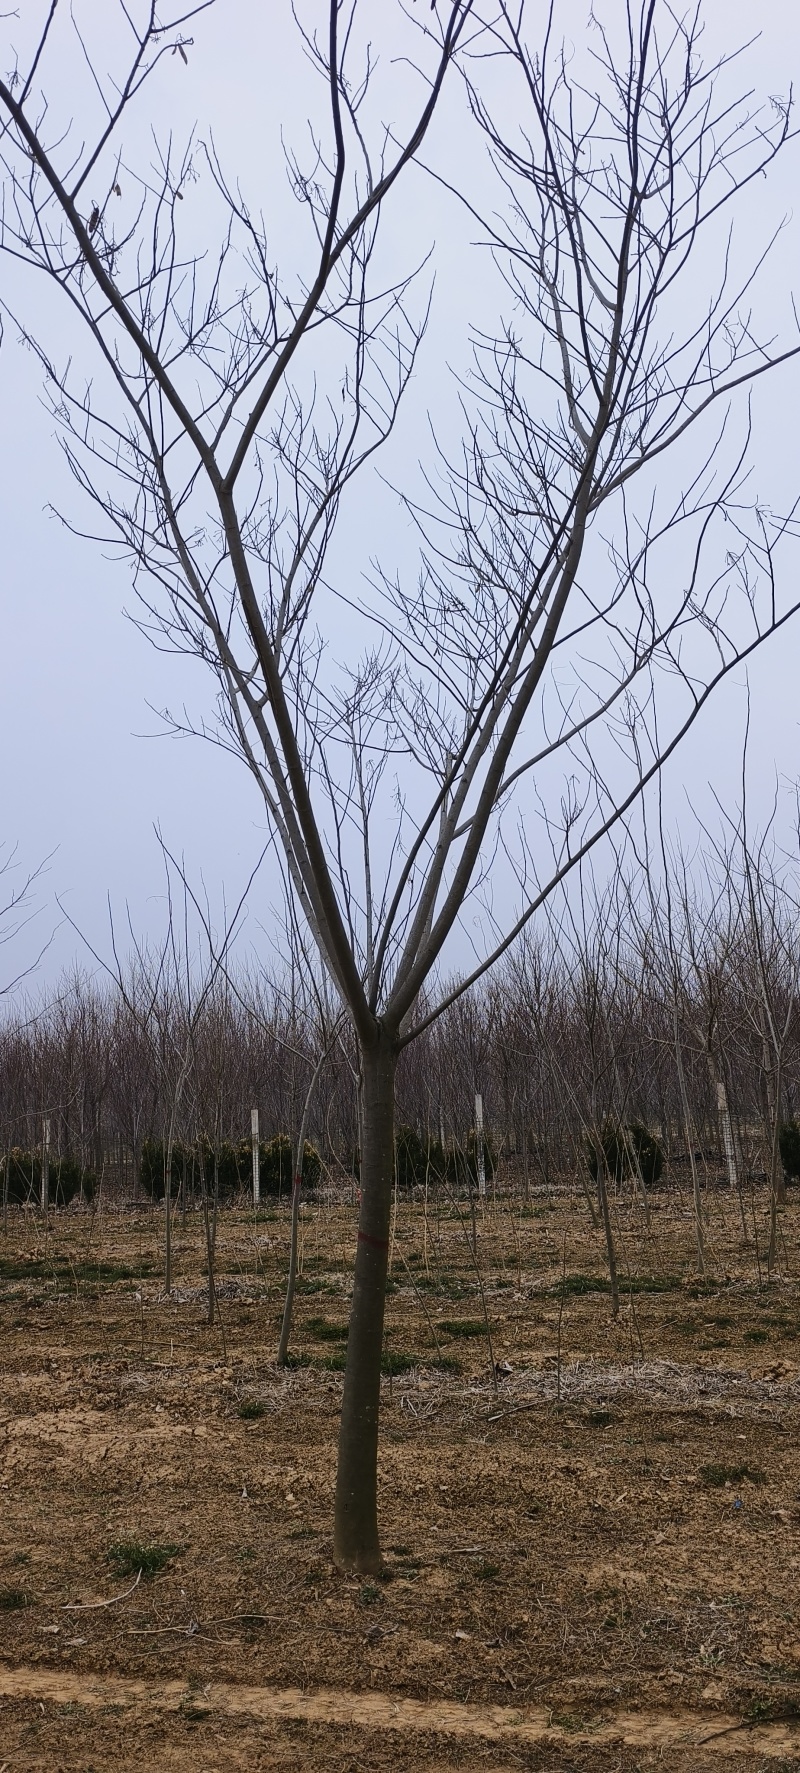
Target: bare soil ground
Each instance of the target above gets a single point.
(594, 1565)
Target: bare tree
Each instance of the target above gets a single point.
(16, 913)
(311, 1009)
(236, 402)
(699, 935)
(770, 906)
(297, 1182)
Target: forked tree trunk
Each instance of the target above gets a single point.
(356, 1545)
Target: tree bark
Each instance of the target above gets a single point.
(356, 1545)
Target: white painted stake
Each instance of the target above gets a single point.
(727, 1134)
(256, 1166)
(479, 1146)
(45, 1163)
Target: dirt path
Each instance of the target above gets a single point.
(715, 1733)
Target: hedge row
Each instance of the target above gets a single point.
(631, 1146)
(228, 1168)
(65, 1179)
(425, 1161)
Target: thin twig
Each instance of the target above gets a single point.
(91, 1606)
(195, 1626)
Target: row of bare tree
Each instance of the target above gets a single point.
(673, 1003)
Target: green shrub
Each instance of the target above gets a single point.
(417, 1160)
(460, 1167)
(152, 1168)
(789, 1145)
(276, 1168)
(276, 1165)
(624, 1146)
(65, 1179)
(411, 1158)
(420, 1160)
(226, 1167)
(229, 1167)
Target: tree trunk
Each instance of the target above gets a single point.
(168, 1215)
(210, 1227)
(286, 1326)
(633, 1159)
(729, 1143)
(687, 1123)
(602, 1193)
(356, 1545)
(777, 1182)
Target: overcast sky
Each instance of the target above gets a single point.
(86, 771)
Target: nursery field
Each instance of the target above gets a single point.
(591, 1558)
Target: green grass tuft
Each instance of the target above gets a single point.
(717, 1476)
(580, 1284)
(394, 1363)
(335, 1363)
(67, 1273)
(324, 1330)
(128, 1556)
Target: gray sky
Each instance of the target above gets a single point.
(85, 775)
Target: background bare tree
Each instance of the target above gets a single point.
(770, 912)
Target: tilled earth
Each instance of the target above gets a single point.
(591, 1563)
